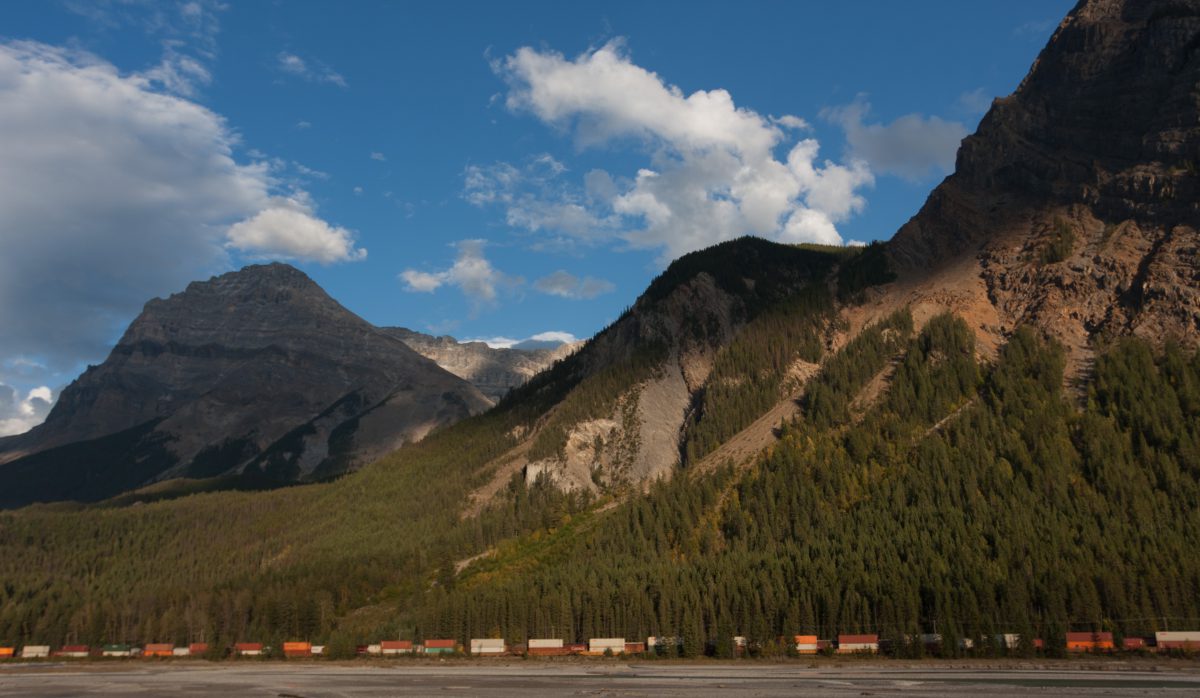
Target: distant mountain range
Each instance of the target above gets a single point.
(254, 378)
(494, 371)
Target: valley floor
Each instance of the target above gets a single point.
(983, 679)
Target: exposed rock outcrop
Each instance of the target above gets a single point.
(1076, 204)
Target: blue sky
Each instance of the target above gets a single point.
(479, 169)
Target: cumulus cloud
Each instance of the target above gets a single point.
(310, 70)
(113, 191)
(378, 156)
(471, 272)
(913, 146)
(20, 414)
(289, 230)
(712, 173)
(567, 285)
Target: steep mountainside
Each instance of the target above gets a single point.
(618, 410)
(1075, 205)
(257, 372)
(493, 371)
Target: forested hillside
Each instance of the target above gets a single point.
(975, 497)
(970, 499)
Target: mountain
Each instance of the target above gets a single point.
(257, 373)
(920, 436)
(1074, 207)
(494, 371)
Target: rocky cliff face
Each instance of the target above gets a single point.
(493, 371)
(1076, 203)
(613, 414)
(256, 372)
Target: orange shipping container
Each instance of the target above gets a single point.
(440, 644)
(197, 648)
(6, 652)
(297, 649)
(1089, 642)
(158, 649)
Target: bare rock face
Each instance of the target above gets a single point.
(1076, 204)
(639, 377)
(256, 373)
(493, 371)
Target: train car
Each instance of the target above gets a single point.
(8, 652)
(73, 652)
(804, 644)
(546, 647)
(297, 649)
(858, 644)
(1089, 642)
(159, 649)
(1186, 640)
(248, 649)
(197, 649)
(117, 650)
(599, 645)
(440, 646)
(35, 652)
(391, 648)
(487, 646)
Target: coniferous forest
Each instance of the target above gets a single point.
(967, 498)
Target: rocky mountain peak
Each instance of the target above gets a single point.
(257, 370)
(1074, 206)
(1109, 115)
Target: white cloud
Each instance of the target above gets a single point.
(378, 156)
(301, 125)
(310, 70)
(567, 285)
(712, 173)
(308, 171)
(471, 272)
(913, 146)
(540, 339)
(18, 415)
(179, 73)
(187, 32)
(113, 192)
(792, 122)
(535, 198)
(289, 230)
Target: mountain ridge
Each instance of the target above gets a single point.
(1074, 205)
(217, 379)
